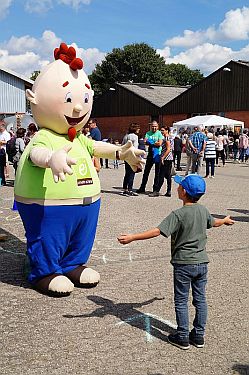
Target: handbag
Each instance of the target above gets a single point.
(173, 171)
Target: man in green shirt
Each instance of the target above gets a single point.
(154, 140)
(187, 228)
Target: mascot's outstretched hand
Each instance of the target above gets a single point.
(59, 161)
(132, 156)
(127, 152)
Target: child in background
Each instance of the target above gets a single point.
(187, 228)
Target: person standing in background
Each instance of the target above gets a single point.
(166, 163)
(220, 149)
(132, 135)
(95, 133)
(210, 155)
(154, 140)
(177, 152)
(4, 138)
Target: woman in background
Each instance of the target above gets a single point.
(132, 135)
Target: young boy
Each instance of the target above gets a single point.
(187, 228)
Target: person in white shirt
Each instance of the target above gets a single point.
(220, 149)
(4, 138)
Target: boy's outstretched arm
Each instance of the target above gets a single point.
(127, 238)
(227, 221)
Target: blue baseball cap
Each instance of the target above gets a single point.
(194, 184)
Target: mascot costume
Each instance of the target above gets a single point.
(57, 188)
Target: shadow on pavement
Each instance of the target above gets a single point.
(128, 313)
(241, 369)
(235, 218)
(12, 260)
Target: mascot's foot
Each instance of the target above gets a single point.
(55, 285)
(84, 277)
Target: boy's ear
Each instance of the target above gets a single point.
(30, 95)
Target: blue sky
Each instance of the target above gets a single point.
(203, 34)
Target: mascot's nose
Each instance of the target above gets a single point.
(78, 108)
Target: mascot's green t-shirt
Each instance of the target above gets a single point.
(33, 182)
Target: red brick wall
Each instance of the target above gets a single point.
(116, 127)
(239, 115)
(169, 119)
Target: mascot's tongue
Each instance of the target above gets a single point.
(71, 134)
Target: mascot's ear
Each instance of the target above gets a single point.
(30, 95)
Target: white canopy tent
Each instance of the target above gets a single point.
(207, 122)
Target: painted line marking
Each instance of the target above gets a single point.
(147, 323)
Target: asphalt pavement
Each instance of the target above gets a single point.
(121, 326)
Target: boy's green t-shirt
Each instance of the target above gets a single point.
(187, 227)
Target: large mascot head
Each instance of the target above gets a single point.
(62, 97)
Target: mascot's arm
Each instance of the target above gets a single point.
(126, 152)
(58, 161)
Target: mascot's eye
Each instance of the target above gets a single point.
(68, 98)
(86, 98)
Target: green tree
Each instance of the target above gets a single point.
(34, 74)
(134, 62)
(182, 75)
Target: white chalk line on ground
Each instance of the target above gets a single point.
(147, 322)
(105, 260)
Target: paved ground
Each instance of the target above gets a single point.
(121, 326)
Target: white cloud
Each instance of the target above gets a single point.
(208, 57)
(164, 52)
(74, 3)
(90, 57)
(4, 7)
(236, 24)
(26, 54)
(38, 6)
(234, 27)
(43, 6)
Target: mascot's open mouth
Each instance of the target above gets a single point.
(73, 121)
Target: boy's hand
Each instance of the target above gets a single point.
(228, 220)
(125, 238)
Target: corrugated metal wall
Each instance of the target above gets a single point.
(122, 102)
(222, 91)
(12, 94)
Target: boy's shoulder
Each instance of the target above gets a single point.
(188, 209)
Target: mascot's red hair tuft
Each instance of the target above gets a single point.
(68, 55)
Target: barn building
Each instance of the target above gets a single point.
(131, 102)
(225, 92)
(12, 92)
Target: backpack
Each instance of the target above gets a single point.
(11, 148)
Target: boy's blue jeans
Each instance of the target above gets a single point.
(196, 276)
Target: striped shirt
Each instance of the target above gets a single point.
(164, 148)
(210, 151)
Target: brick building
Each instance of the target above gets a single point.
(131, 102)
(224, 92)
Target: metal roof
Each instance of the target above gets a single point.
(18, 75)
(158, 95)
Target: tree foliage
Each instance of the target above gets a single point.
(182, 75)
(142, 64)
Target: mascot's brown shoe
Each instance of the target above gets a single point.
(84, 277)
(54, 285)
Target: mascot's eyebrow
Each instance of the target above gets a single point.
(88, 86)
(65, 84)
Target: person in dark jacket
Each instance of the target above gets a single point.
(177, 152)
